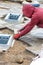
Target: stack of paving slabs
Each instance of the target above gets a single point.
(34, 43)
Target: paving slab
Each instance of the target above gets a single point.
(35, 44)
(32, 41)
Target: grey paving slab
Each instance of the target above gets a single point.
(32, 41)
(35, 44)
(34, 49)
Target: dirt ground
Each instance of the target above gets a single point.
(9, 57)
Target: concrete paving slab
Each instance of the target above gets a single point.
(34, 49)
(35, 44)
(32, 41)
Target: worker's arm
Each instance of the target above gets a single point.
(29, 26)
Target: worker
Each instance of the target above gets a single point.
(36, 15)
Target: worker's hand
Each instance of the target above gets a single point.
(16, 36)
